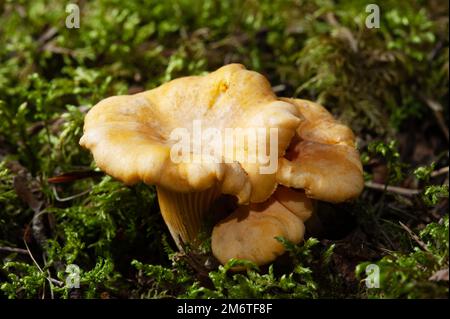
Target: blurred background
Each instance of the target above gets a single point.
(389, 84)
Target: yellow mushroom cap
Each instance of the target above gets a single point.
(322, 159)
(250, 231)
(321, 163)
(130, 137)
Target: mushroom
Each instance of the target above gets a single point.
(132, 139)
(321, 160)
(249, 232)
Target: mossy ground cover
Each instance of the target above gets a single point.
(389, 84)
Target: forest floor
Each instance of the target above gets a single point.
(389, 84)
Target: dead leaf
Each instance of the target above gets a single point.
(73, 176)
(25, 194)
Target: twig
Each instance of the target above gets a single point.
(393, 189)
(51, 47)
(38, 229)
(402, 190)
(47, 35)
(14, 250)
(52, 295)
(437, 109)
(441, 171)
(278, 88)
(37, 223)
(37, 226)
(415, 237)
(343, 32)
(65, 199)
(51, 280)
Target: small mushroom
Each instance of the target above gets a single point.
(250, 231)
(321, 163)
(322, 159)
(130, 137)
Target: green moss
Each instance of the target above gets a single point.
(225, 282)
(411, 275)
(378, 81)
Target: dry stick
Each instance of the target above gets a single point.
(402, 190)
(437, 110)
(49, 275)
(47, 35)
(344, 32)
(415, 237)
(65, 199)
(51, 280)
(278, 88)
(38, 230)
(14, 250)
(441, 171)
(37, 226)
(393, 189)
(43, 290)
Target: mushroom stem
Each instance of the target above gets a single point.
(183, 212)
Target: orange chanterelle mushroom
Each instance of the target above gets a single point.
(321, 163)
(136, 138)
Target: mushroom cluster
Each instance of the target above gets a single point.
(131, 139)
